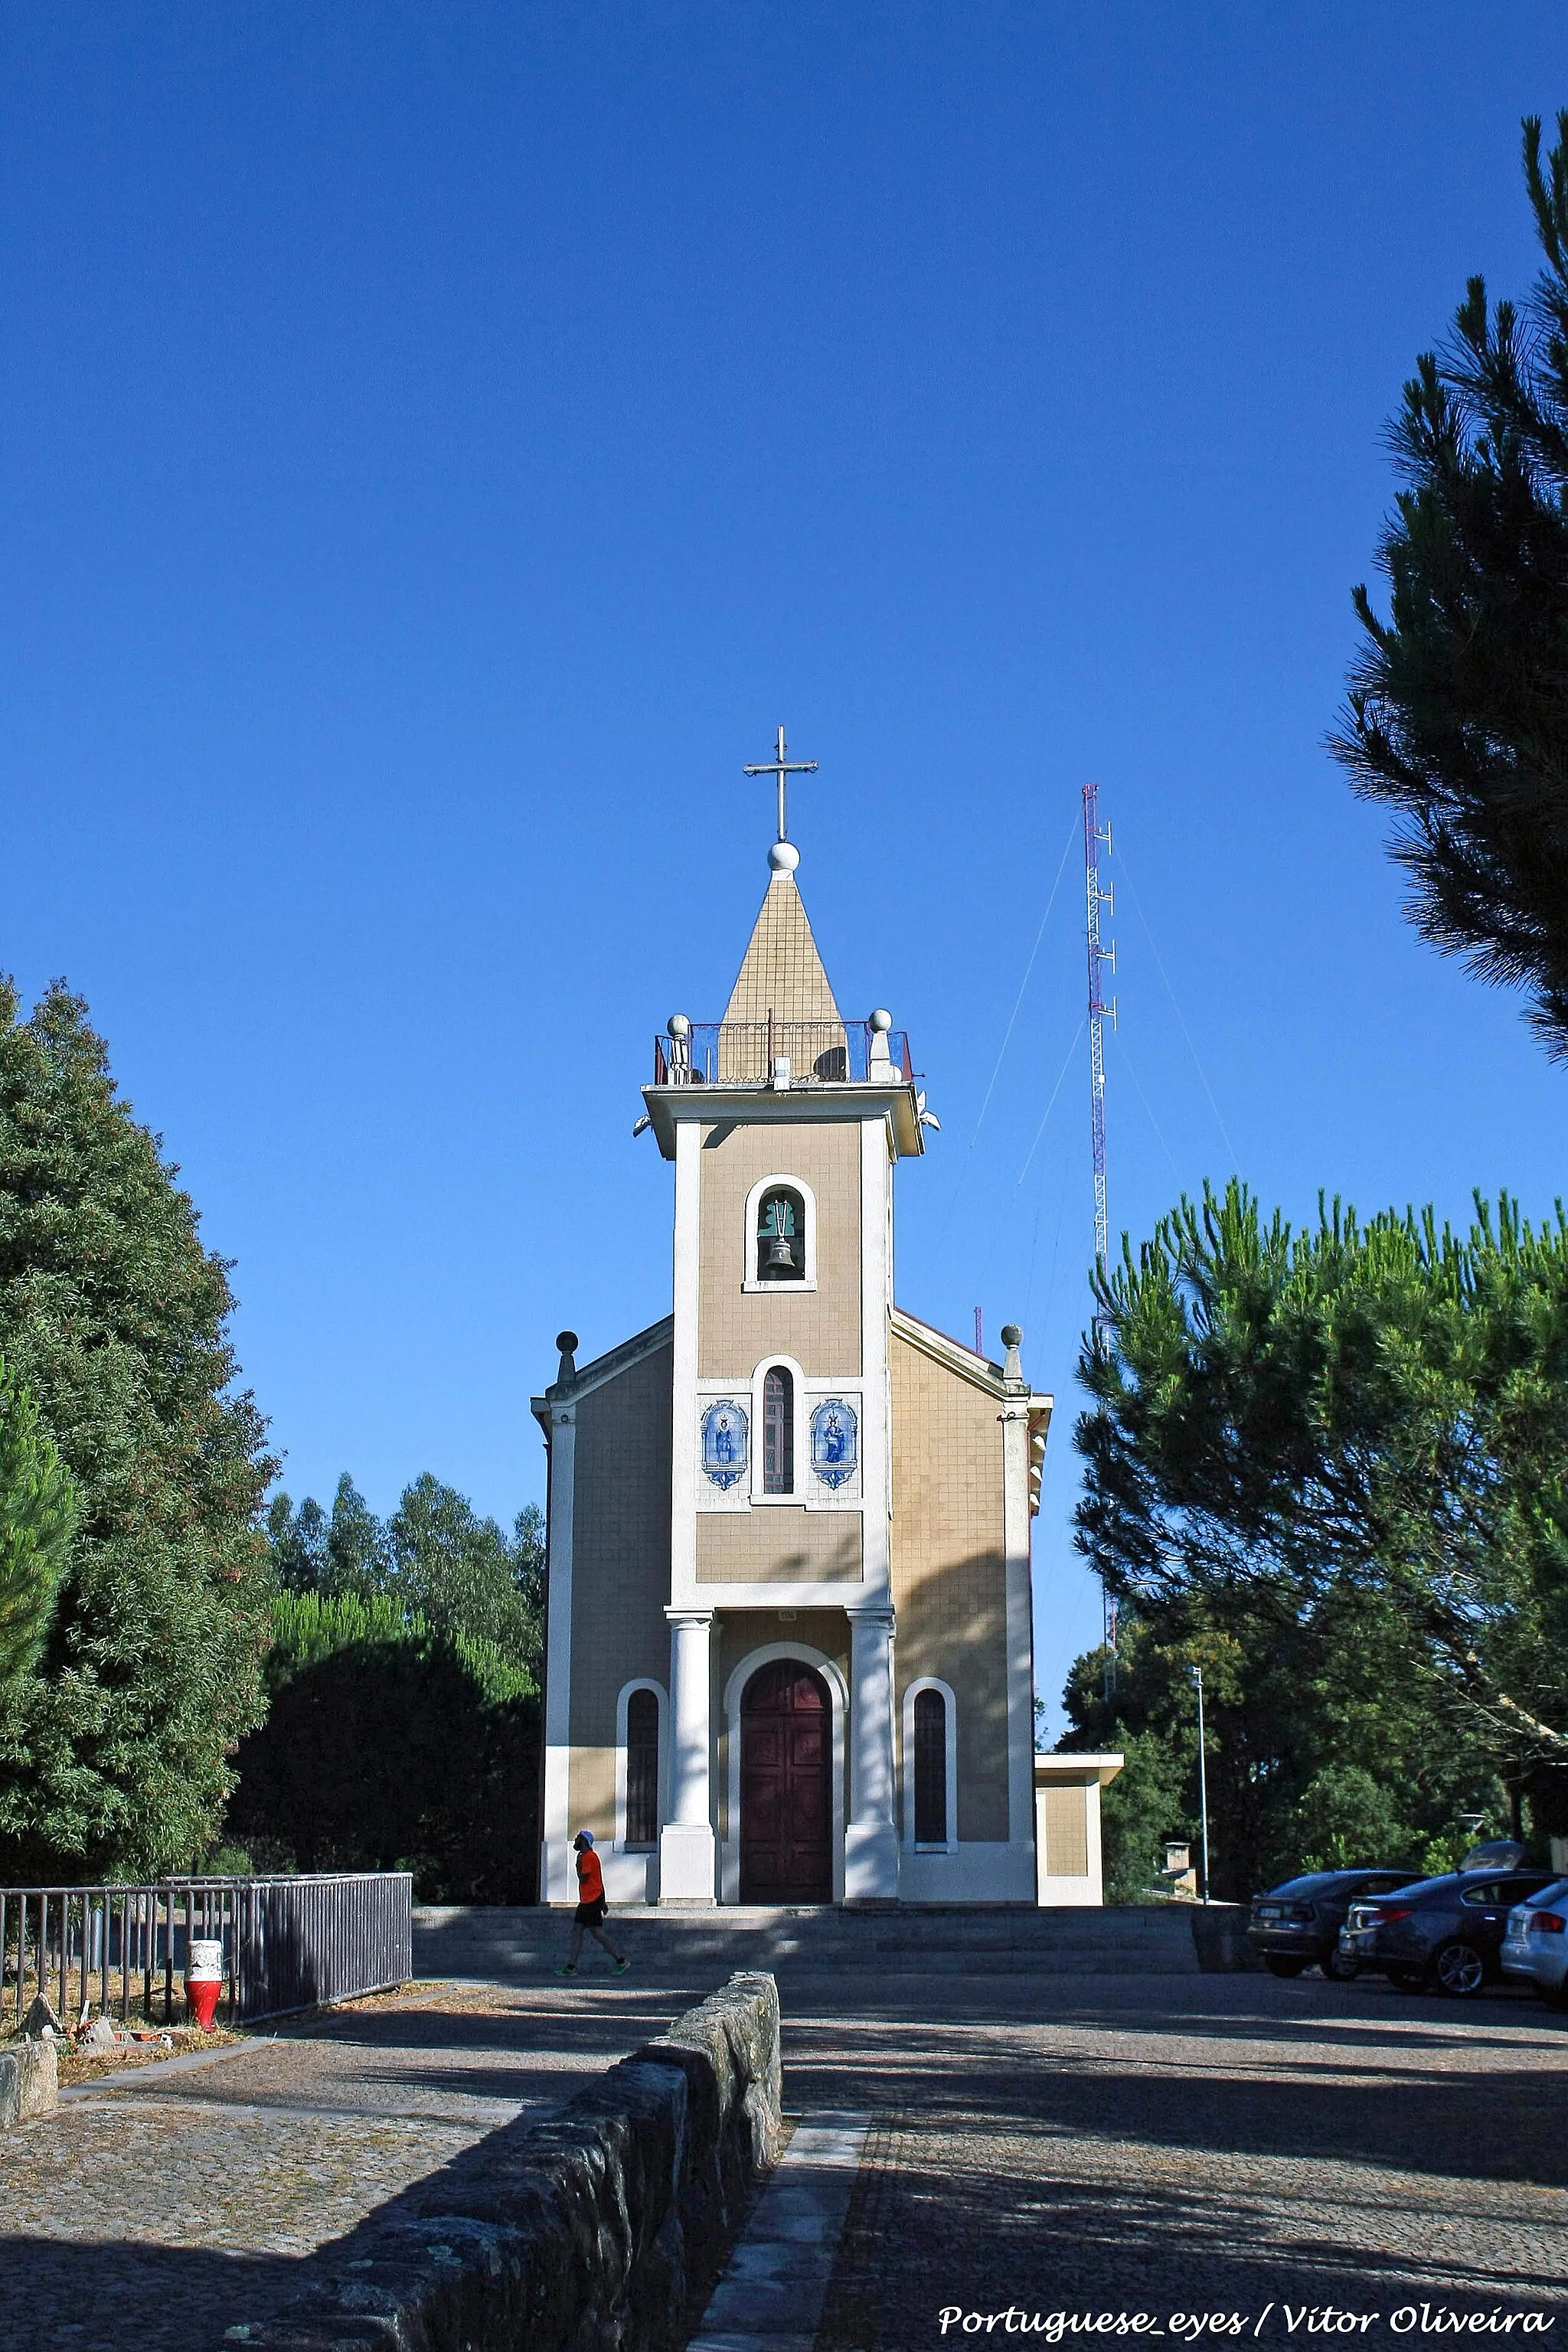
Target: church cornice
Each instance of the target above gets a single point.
(952, 1354)
(608, 1367)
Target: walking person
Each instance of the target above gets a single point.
(589, 1916)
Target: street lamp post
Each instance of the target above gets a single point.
(1198, 1674)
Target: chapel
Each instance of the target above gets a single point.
(788, 1641)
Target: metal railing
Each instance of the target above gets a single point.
(761, 1052)
(288, 1944)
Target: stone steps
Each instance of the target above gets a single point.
(1149, 1939)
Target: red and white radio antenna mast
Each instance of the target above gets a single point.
(1099, 957)
(1099, 1010)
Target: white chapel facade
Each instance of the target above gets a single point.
(788, 1642)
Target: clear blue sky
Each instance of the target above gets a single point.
(441, 444)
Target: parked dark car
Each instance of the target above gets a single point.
(1442, 1934)
(1300, 1922)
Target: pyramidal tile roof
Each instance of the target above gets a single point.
(782, 973)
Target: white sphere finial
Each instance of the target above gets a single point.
(881, 1020)
(678, 1026)
(783, 858)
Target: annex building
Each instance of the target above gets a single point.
(788, 1651)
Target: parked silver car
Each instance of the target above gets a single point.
(1535, 1943)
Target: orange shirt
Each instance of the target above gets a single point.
(589, 1877)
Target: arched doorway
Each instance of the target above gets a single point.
(787, 1786)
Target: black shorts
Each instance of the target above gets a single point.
(589, 1915)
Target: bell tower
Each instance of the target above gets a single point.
(788, 1655)
(784, 1121)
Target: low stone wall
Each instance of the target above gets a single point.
(29, 2081)
(601, 2229)
(1219, 1937)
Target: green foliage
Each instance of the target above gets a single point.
(462, 1573)
(1318, 1744)
(1143, 1806)
(1345, 1817)
(309, 1626)
(39, 1513)
(434, 1561)
(1457, 712)
(115, 1750)
(347, 1552)
(1331, 1468)
(392, 1745)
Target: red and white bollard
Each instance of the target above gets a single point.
(204, 1978)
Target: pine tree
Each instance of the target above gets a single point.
(116, 1752)
(1457, 712)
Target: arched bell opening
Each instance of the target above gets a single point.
(780, 1236)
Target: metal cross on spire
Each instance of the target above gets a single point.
(780, 767)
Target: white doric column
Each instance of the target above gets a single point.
(870, 1835)
(686, 1847)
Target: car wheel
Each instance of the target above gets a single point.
(1459, 1969)
(1278, 1964)
(1407, 1979)
(1341, 1968)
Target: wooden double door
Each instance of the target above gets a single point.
(787, 1786)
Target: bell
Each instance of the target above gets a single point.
(779, 1258)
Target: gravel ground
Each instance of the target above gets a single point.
(1222, 2145)
(1129, 2145)
(160, 2212)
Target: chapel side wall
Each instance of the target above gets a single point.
(821, 1327)
(949, 1569)
(620, 1581)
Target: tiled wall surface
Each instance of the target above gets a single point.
(949, 1568)
(779, 1544)
(620, 1581)
(820, 1328)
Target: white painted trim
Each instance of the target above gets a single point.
(685, 1471)
(557, 1881)
(843, 1592)
(949, 1352)
(1084, 1890)
(686, 1845)
(639, 1682)
(871, 1838)
(876, 1306)
(749, 1279)
(838, 1698)
(934, 1683)
(1016, 1529)
(798, 1492)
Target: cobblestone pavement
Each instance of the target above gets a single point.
(159, 2214)
(1209, 2145)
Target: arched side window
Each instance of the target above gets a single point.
(931, 1767)
(642, 1769)
(639, 1766)
(778, 1432)
(780, 1236)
